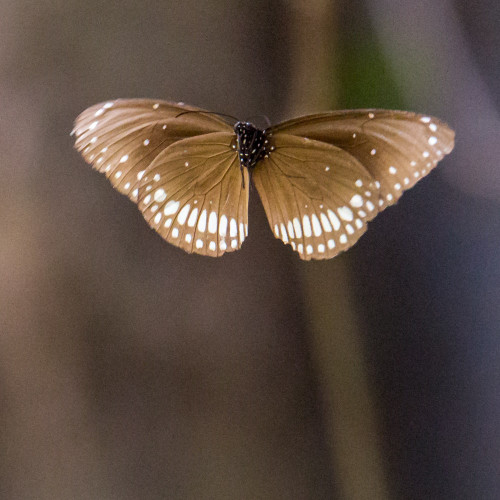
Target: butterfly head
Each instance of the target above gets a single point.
(252, 143)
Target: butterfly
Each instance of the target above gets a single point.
(321, 177)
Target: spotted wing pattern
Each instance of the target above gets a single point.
(317, 197)
(397, 148)
(121, 138)
(194, 197)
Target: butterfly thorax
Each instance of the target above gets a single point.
(252, 143)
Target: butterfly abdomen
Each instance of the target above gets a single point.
(252, 144)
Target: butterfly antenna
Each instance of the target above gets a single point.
(207, 113)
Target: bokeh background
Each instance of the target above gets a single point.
(131, 370)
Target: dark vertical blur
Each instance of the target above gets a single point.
(129, 369)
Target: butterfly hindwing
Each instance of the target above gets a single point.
(398, 148)
(317, 197)
(121, 138)
(193, 195)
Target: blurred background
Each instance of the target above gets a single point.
(131, 370)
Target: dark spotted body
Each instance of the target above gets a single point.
(252, 144)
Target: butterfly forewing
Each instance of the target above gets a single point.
(121, 138)
(317, 197)
(398, 148)
(193, 195)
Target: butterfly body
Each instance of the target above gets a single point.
(253, 143)
(321, 178)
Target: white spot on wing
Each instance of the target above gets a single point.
(212, 223)
(181, 218)
(193, 217)
(284, 235)
(297, 227)
(356, 201)
(171, 207)
(306, 224)
(334, 219)
(223, 225)
(160, 195)
(316, 225)
(326, 223)
(345, 213)
(202, 221)
(233, 228)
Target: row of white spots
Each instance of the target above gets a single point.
(181, 219)
(313, 225)
(191, 217)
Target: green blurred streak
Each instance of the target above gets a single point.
(364, 78)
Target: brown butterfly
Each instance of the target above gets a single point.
(321, 178)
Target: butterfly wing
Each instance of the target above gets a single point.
(121, 138)
(396, 147)
(193, 195)
(317, 197)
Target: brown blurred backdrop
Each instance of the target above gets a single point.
(131, 370)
